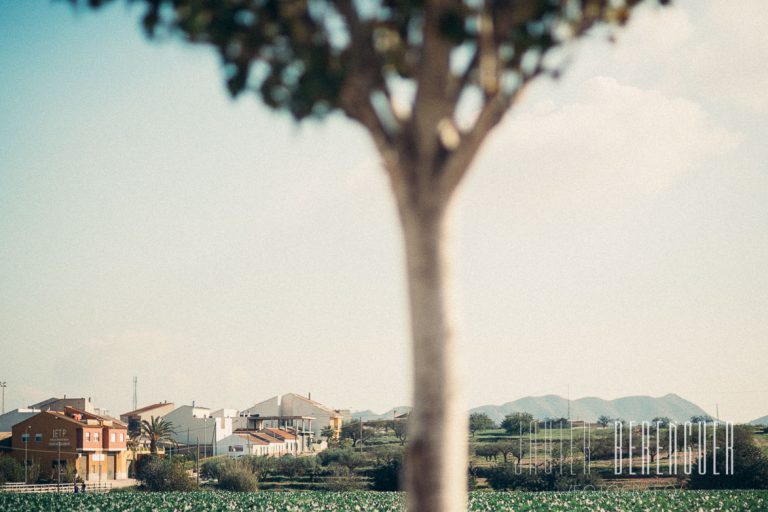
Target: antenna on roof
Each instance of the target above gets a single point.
(135, 401)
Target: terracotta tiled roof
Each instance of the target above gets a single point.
(69, 410)
(280, 432)
(266, 437)
(251, 438)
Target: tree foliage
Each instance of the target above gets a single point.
(356, 433)
(518, 422)
(11, 470)
(487, 450)
(311, 57)
(604, 420)
(157, 430)
(480, 421)
(330, 435)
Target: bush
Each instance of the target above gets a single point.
(212, 468)
(260, 465)
(750, 465)
(505, 478)
(158, 474)
(343, 457)
(10, 470)
(344, 484)
(236, 477)
(291, 466)
(385, 476)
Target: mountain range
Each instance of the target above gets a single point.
(760, 421)
(630, 408)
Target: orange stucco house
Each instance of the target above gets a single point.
(94, 445)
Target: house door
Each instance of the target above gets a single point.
(111, 464)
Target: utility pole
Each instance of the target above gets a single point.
(361, 434)
(717, 411)
(2, 385)
(213, 441)
(197, 462)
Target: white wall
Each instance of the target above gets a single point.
(293, 405)
(195, 424)
(268, 407)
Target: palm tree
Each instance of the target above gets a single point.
(157, 430)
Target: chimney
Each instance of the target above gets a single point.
(309, 395)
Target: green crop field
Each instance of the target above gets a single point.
(384, 502)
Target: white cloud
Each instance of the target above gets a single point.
(710, 50)
(611, 139)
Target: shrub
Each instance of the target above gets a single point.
(212, 468)
(163, 475)
(505, 478)
(385, 476)
(343, 457)
(750, 465)
(260, 465)
(10, 470)
(291, 466)
(236, 477)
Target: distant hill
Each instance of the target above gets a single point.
(760, 421)
(369, 415)
(631, 408)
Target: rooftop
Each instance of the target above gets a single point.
(147, 408)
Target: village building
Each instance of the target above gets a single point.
(11, 418)
(200, 426)
(72, 441)
(271, 442)
(294, 406)
(134, 418)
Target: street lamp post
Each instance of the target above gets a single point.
(26, 452)
(58, 468)
(58, 460)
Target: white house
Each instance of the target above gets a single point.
(292, 405)
(267, 442)
(195, 425)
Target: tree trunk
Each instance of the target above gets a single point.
(436, 468)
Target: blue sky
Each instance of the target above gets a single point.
(611, 237)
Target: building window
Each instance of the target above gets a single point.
(122, 437)
(95, 436)
(112, 437)
(87, 436)
(38, 437)
(24, 437)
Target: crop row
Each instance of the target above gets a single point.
(304, 501)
